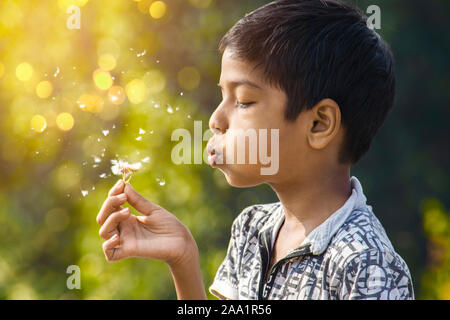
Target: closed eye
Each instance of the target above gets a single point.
(244, 105)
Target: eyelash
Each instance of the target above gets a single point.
(239, 105)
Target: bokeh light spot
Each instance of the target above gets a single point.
(157, 9)
(155, 81)
(67, 177)
(102, 79)
(24, 71)
(38, 123)
(44, 89)
(107, 62)
(65, 121)
(136, 91)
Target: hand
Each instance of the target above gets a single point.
(157, 234)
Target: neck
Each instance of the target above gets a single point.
(306, 206)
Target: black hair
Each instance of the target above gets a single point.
(317, 49)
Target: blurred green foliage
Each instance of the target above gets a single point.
(163, 61)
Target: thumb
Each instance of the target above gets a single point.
(139, 202)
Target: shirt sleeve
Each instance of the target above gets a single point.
(370, 275)
(225, 285)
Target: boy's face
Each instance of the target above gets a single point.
(266, 111)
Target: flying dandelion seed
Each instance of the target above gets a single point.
(139, 138)
(170, 109)
(125, 169)
(146, 159)
(93, 188)
(97, 159)
(56, 73)
(114, 126)
(161, 182)
(105, 132)
(151, 132)
(189, 116)
(141, 131)
(141, 54)
(103, 175)
(84, 193)
(181, 93)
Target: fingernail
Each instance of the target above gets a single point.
(122, 197)
(114, 237)
(124, 210)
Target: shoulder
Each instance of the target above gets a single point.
(253, 218)
(360, 232)
(362, 250)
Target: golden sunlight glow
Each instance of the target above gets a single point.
(81, 3)
(102, 79)
(24, 71)
(44, 89)
(38, 123)
(157, 9)
(2, 69)
(64, 121)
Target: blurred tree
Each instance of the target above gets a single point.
(436, 223)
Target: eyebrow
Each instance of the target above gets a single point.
(243, 82)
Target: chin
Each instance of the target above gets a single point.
(241, 176)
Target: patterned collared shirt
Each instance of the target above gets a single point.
(348, 256)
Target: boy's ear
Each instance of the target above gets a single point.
(323, 124)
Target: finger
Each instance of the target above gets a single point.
(139, 202)
(109, 228)
(111, 252)
(111, 204)
(118, 188)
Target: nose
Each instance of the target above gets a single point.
(218, 122)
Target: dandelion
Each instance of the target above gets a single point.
(125, 169)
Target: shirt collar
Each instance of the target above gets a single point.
(319, 238)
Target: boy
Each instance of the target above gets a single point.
(314, 71)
